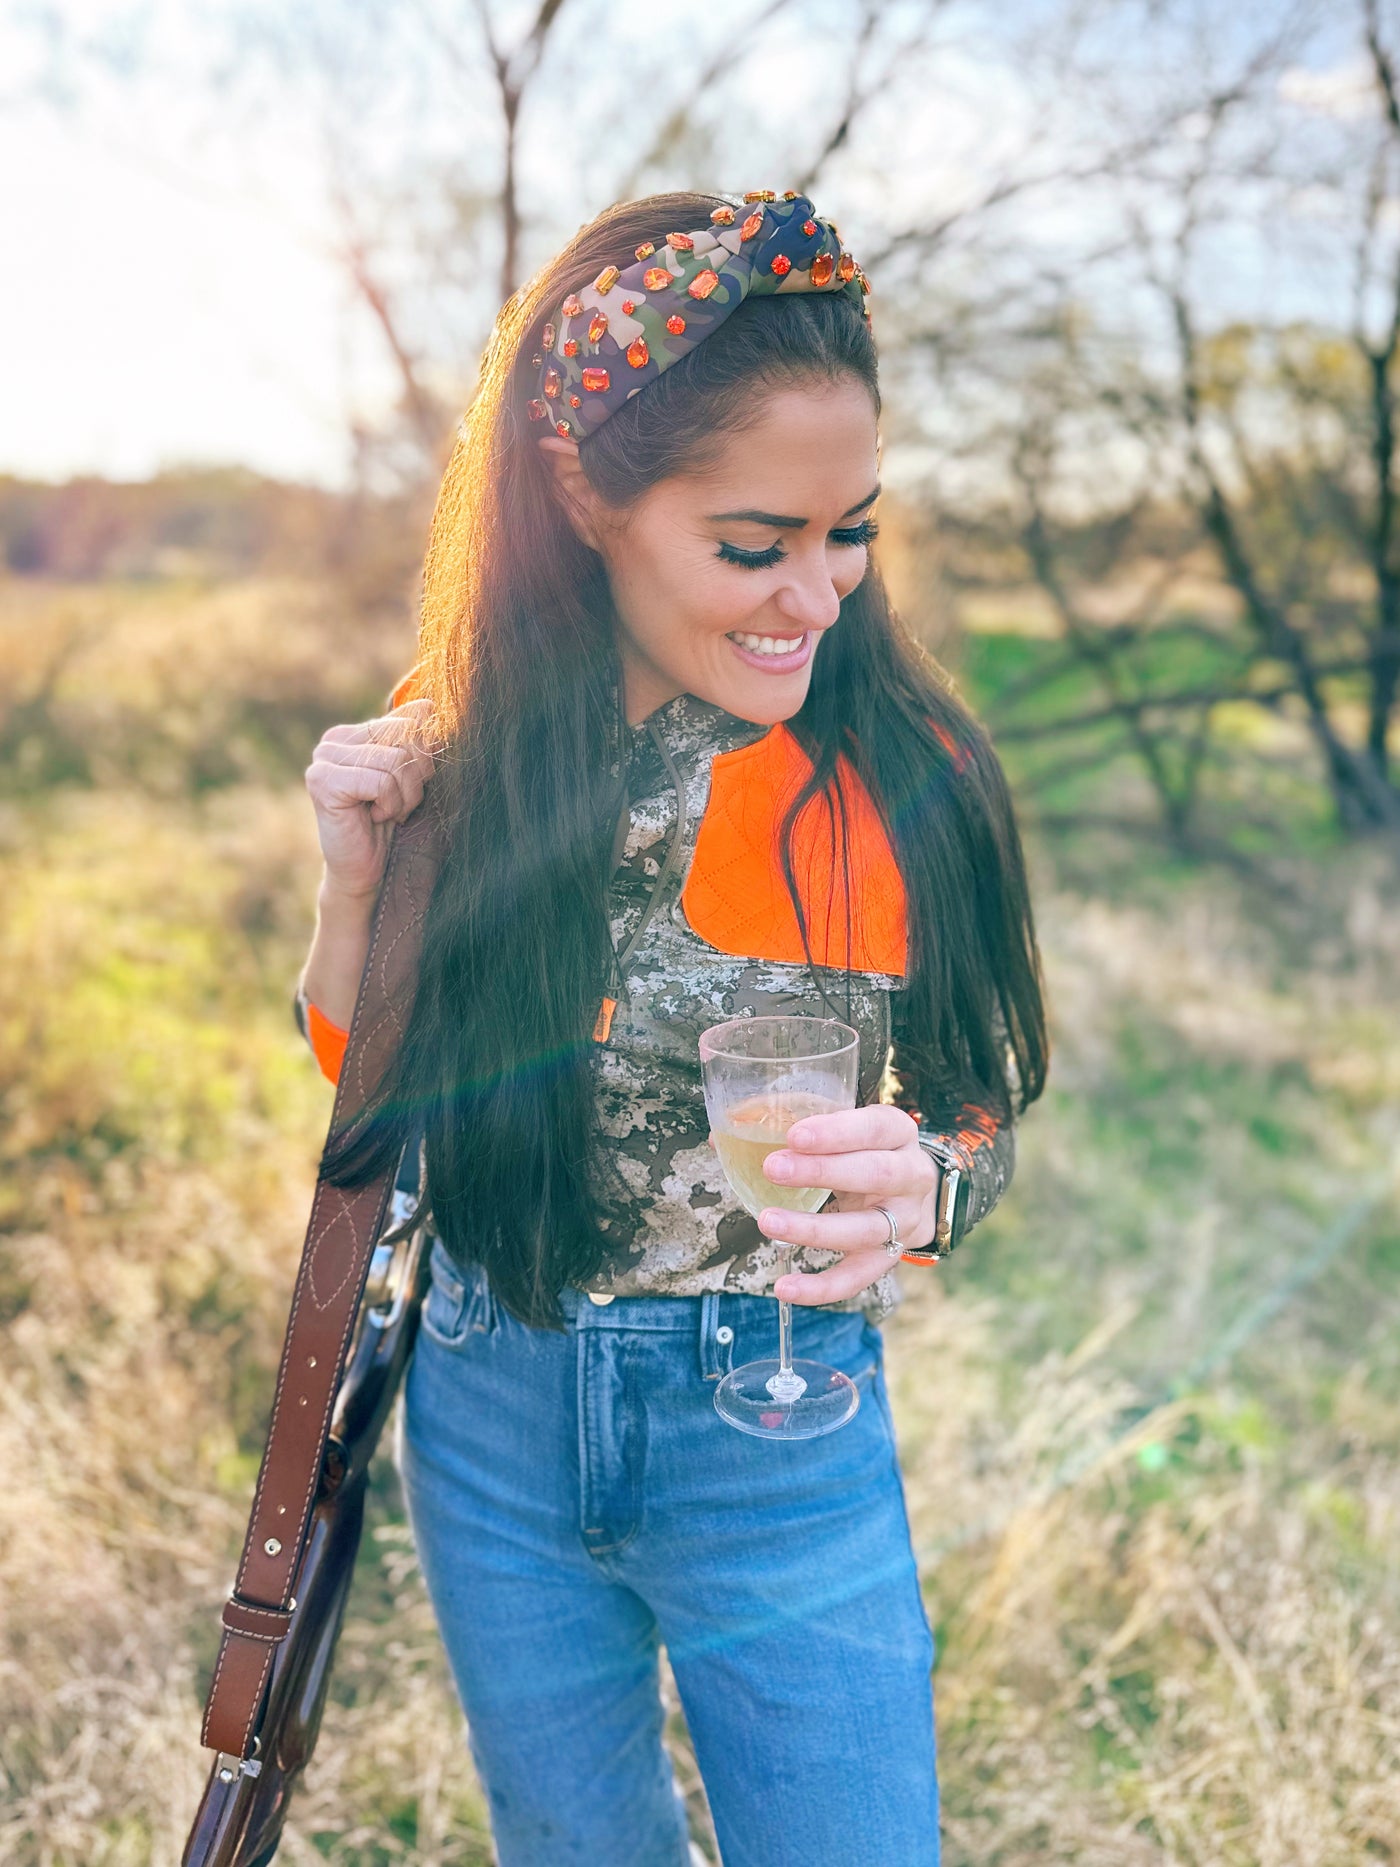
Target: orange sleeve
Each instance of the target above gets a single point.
(327, 1041)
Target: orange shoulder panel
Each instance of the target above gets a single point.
(328, 1041)
(409, 688)
(735, 896)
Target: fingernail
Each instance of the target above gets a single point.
(776, 1166)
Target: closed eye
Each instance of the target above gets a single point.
(861, 534)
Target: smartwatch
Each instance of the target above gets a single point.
(951, 1203)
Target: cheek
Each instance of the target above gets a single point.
(849, 570)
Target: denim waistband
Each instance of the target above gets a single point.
(660, 1312)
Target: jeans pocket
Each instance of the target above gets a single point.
(459, 1307)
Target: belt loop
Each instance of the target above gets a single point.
(716, 1352)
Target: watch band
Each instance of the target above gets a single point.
(950, 1204)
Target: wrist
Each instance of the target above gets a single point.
(951, 1198)
(348, 905)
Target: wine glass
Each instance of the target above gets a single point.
(761, 1075)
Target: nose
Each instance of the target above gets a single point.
(808, 597)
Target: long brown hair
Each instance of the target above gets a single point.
(518, 652)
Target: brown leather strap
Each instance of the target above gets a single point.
(340, 1238)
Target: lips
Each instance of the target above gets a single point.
(783, 663)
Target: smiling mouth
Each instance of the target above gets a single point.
(768, 644)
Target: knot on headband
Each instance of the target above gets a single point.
(608, 340)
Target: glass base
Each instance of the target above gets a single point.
(745, 1400)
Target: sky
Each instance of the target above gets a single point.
(165, 303)
(171, 293)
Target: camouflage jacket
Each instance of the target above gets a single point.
(660, 1190)
(680, 1230)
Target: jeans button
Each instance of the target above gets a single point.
(601, 1296)
(724, 1333)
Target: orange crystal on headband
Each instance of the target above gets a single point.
(596, 380)
(656, 278)
(548, 339)
(675, 324)
(571, 346)
(553, 382)
(645, 250)
(750, 226)
(703, 283)
(597, 324)
(822, 268)
(606, 279)
(537, 409)
(847, 267)
(723, 217)
(637, 353)
(572, 305)
(781, 263)
(680, 242)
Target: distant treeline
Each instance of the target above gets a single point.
(214, 522)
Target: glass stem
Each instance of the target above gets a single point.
(785, 1321)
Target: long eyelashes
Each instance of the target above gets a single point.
(861, 534)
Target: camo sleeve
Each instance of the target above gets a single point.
(983, 1140)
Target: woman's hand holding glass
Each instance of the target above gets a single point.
(870, 1157)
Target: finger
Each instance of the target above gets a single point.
(845, 1231)
(406, 723)
(385, 757)
(836, 1283)
(346, 787)
(392, 805)
(868, 1171)
(878, 1124)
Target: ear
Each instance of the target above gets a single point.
(571, 487)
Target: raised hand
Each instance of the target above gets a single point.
(363, 780)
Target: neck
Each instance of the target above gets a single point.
(645, 687)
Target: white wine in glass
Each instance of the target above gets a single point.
(761, 1075)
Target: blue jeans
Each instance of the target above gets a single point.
(576, 1500)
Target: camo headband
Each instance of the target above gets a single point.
(608, 340)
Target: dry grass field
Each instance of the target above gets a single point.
(1150, 1419)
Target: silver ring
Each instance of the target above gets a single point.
(892, 1244)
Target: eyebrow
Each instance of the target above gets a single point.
(778, 518)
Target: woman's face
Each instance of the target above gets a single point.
(726, 580)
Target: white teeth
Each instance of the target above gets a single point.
(768, 644)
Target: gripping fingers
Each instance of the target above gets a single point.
(860, 1230)
(856, 1273)
(334, 786)
(400, 775)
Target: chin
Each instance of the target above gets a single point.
(768, 706)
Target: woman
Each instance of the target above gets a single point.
(691, 768)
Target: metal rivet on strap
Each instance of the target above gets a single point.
(272, 1547)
